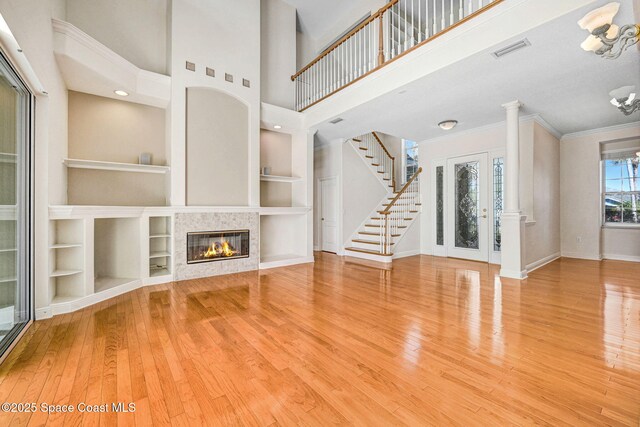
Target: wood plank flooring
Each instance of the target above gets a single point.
(431, 341)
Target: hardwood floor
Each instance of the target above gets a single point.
(433, 341)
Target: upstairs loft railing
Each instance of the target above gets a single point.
(404, 206)
(393, 31)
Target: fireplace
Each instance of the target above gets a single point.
(210, 246)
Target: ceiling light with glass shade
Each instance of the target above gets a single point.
(625, 100)
(607, 39)
(448, 124)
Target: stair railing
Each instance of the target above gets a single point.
(397, 28)
(380, 157)
(405, 204)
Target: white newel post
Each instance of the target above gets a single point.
(512, 250)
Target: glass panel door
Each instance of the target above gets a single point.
(15, 207)
(468, 207)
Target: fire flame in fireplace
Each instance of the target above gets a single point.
(219, 249)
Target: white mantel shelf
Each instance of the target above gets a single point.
(76, 211)
(277, 178)
(114, 166)
(285, 211)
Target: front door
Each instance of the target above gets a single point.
(329, 214)
(468, 225)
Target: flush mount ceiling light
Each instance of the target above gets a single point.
(625, 99)
(277, 127)
(607, 39)
(448, 124)
(121, 92)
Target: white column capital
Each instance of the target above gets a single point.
(513, 105)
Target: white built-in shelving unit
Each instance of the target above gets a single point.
(66, 260)
(114, 166)
(286, 224)
(116, 252)
(160, 246)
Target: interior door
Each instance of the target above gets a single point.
(329, 212)
(468, 224)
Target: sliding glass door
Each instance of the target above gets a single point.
(16, 104)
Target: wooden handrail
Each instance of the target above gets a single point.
(393, 160)
(345, 38)
(387, 210)
(382, 145)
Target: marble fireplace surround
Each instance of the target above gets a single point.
(196, 222)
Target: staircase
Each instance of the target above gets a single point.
(385, 227)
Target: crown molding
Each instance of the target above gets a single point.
(601, 130)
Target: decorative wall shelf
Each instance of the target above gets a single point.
(276, 178)
(159, 255)
(7, 250)
(89, 66)
(66, 246)
(114, 166)
(62, 273)
(7, 279)
(8, 158)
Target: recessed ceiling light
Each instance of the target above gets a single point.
(448, 124)
(277, 127)
(121, 92)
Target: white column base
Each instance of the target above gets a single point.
(512, 248)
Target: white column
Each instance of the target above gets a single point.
(512, 250)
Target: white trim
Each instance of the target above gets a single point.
(578, 255)
(600, 130)
(542, 122)
(405, 254)
(542, 262)
(371, 257)
(518, 275)
(615, 257)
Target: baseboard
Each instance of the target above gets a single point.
(286, 262)
(316, 248)
(405, 254)
(513, 274)
(43, 313)
(580, 256)
(622, 257)
(542, 262)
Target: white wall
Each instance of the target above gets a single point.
(361, 191)
(278, 52)
(224, 36)
(543, 236)
(136, 30)
(30, 23)
(581, 219)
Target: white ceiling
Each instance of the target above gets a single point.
(553, 77)
(316, 17)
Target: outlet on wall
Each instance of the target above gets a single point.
(579, 239)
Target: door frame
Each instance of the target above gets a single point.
(338, 208)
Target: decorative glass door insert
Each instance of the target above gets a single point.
(467, 207)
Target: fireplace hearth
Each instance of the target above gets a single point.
(208, 246)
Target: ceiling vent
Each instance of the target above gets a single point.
(336, 121)
(511, 48)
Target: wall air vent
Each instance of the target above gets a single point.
(511, 48)
(336, 121)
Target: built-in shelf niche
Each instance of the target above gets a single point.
(160, 239)
(280, 237)
(66, 259)
(106, 138)
(276, 154)
(116, 252)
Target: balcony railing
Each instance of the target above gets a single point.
(396, 29)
